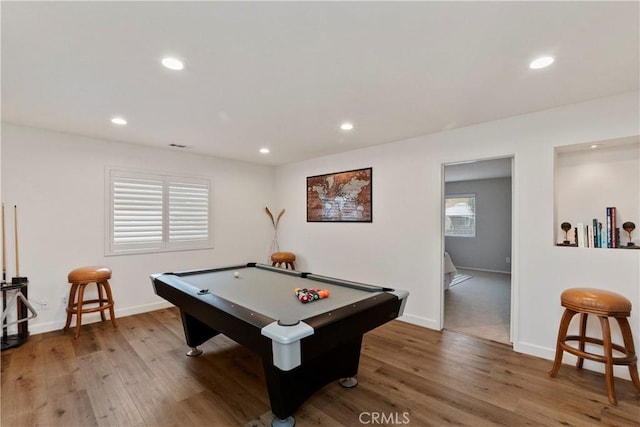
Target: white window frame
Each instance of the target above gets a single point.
(472, 231)
(165, 244)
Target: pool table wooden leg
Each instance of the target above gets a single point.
(195, 332)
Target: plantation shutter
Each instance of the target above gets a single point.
(137, 211)
(157, 213)
(188, 211)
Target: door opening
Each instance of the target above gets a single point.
(477, 240)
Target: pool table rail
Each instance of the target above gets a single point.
(185, 273)
(346, 283)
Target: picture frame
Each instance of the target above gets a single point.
(340, 196)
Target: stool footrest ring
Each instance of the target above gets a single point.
(104, 305)
(627, 360)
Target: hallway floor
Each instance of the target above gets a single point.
(480, 306)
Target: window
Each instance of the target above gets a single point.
(460, 215)
(152, 213)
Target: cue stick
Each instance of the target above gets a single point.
(19, 305)
(4, 250)
(5, 333)
(15, 222)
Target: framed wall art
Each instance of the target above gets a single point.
(340, 197)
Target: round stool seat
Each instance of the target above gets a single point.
(596, 301)
(80, 278)
(283, 257)
(286, 258)
(89, 274)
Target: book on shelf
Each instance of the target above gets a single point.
(597, 233)
(612, 239)
(580, 235)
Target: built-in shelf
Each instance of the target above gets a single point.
(591, 177)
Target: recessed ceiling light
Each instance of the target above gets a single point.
(172, 63)
(346, 126)
(118, 121)
(594, 146)
(264, 150)
(543, 61)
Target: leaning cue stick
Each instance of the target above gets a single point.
(23, 327)
(5, 333)
(15, 225)
(18, 279)
(15, 228)
(4, 251)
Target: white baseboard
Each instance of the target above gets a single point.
(95, 317)
(419, 321)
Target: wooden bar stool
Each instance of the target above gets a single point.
(79, 279)
(283, 259)
(603, 304)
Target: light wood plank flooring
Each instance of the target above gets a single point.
(138, 375)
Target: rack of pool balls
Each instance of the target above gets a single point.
(309, 295)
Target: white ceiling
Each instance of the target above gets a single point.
(285, 75)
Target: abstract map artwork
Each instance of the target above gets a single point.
(340, 197)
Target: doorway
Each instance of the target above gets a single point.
(477, 241)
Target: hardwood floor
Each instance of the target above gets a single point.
(138, 375)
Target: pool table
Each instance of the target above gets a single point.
(303, 346)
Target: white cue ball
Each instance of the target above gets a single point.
(236, 274)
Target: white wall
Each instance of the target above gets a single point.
(489, 248)
(402, 247)
(57, 181)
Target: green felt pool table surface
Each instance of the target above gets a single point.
(273, 294)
